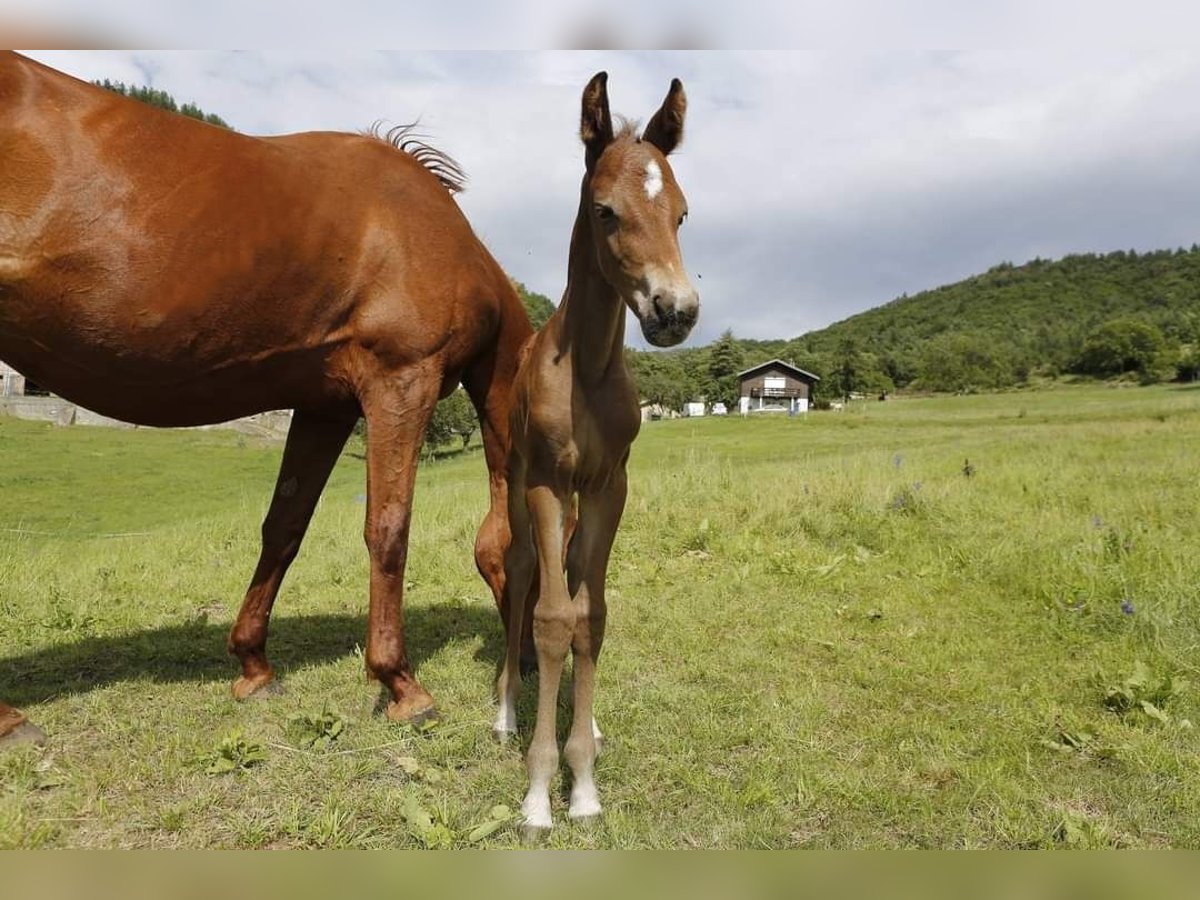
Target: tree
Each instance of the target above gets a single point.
(454, 416)
(963, 362)
(848, 370)
(724, 362)
(538, 306)
(1188, 367)
(1124, 346)
(660, 378)
(161, 99)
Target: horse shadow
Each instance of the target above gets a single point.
(195, 651)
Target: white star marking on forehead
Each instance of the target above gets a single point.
(654, 182)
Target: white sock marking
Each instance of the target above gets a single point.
(536, 808)
(584, 800)
(506, 718)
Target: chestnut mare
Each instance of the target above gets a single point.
(167, 272)
(575, 415)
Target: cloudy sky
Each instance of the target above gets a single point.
(819, 184)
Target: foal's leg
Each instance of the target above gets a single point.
(16, 730)
(553, 626)
(397, 414)
(313, 446)
(587, 567)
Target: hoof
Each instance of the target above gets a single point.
(261, 687)
(24, 735)
(585, 807)
(534, 834)
(422, 719)
(503, 735)
(536, 820)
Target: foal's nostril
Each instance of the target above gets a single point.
(658, 305)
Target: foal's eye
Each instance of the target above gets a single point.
(605, 213)
(681, 218)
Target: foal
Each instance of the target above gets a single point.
(574, 417)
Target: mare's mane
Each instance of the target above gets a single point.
(405, 139)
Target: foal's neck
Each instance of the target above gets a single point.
(593, 314)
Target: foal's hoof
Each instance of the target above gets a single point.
(24, 735)
(531, 834)
(260, 687)
(503, 735)
(405, 712)
(585, 807)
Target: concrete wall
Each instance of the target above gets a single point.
(62, 412)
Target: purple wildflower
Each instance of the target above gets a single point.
(1127, 607)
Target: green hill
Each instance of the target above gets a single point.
(1030, 319)
(1116, 314)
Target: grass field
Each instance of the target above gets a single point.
(823, 633)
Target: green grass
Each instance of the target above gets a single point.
(822, 634)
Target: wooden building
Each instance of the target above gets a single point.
(775, 386)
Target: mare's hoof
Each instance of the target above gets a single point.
(422, 718)
(260, 687)
(24, 735)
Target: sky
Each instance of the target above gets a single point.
(819, 184)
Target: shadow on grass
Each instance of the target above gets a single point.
(196, 651)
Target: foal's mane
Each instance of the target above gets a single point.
(406, 139)
(627, 130)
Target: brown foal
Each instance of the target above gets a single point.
(574, 417)
(166, 272)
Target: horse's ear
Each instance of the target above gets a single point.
(665, 130)
(595, 126)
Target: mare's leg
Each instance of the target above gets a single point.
(313, 446)
(489, 384)
(519, 583)
(587, 568)
(16, 730)
(553, 627)
(397, 410)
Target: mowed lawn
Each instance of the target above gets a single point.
(951, 622)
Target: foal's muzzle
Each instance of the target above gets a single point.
(668, 317)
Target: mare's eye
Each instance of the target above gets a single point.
(605, 213)
(681, 218)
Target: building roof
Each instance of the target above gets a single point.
(779, 364)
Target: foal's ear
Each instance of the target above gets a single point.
(595, 126)
(665, 130)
